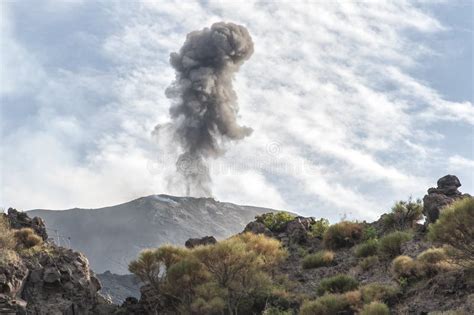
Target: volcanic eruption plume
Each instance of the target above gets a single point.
(204, 109)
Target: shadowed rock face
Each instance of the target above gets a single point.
(441, 196)
(48, 280)
(20, 220)
(113, 236)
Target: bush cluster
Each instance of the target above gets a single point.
(275, 221)
(368, 262)
(343, 234)
(428, 263)
(366, 249)
(391, 244)
(379, 292)
(318, 228)
(322, 258)
(455, 229)
(369, 299)
(375, 308)
(337, 284)
(27, 238)
(404, 266)
(326, 305)
(232, 276)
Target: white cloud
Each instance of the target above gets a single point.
(330, 87)
(457, 162)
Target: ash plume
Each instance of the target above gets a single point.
(204, 109)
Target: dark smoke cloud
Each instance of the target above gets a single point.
(204, 110)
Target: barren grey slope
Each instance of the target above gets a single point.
(110, 237)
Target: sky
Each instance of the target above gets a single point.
(354, 105)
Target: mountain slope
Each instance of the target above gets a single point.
(112, 236)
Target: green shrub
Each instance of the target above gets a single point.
(318, 228)
(27, 238)
(379, 292)
(147, 267)
(337, 284)
(404, 267)
(432, 261)
(375, 308)
(432, 256)
(275, 221)
(455, 228)
(368, 248)
(391, 244)
(369, 233)
(404, 214)
(342, 234)
(320, 259)
(368, 262)
(329, 304)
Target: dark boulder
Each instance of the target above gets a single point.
(206, 240)
(257, 228)
(297, 230)
(441, 196)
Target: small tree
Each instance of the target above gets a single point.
(147, 267)
(455, 228)
(404, 214)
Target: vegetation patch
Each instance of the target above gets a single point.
(318, 228)
(368, 248)
(337, 284)
(379, 292)
(404, 215)
(329, 304)
(368, 262)
(322, 258)
(27, 238)
(343, 234)
(275, 221)
(233, 276)
(455, 229)
(391, 244)
(375, 308)
(404, 267)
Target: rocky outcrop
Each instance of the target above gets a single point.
(206, 240)
(48, 279)
(20, 220)
(257, 228)
(441, 196)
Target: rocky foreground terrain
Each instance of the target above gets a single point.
(45, 278)
(50, 279)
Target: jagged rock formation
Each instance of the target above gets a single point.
(49, 279)
(124, 230)
(20, 220)
(441, 196)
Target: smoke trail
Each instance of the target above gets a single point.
(204, 109)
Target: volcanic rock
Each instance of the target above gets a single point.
(441, 196)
